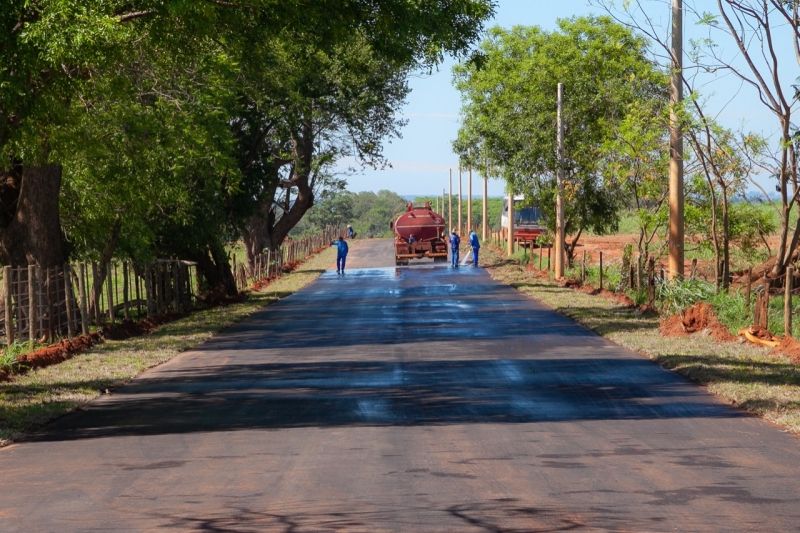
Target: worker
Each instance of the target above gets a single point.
(341, 254)
(350, 232)
(455, 242)
(476, 245)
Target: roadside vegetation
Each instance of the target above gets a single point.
(29, 400)
(754, 378)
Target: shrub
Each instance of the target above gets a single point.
(676, 295)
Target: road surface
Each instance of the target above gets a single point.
(412, 399)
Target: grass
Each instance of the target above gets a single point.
(29, 400)
(750, 377)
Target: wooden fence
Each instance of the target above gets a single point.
(271, 264)
(43, 304)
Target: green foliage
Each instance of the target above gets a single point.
(676, 295)
(176, 121)
(10, 354)
(731, 309)
(372, 213)
(509, 93)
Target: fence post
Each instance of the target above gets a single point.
(96, 294)
(149, 289)
(82, 302)
(68, 300)
(125, 292)
(176, 280)
(787, 301)
(694, 269)
(32, 303)
(601, 270)
(761, 311)
(110, 291)
(48, 293)
(9, 313)
(583, 268)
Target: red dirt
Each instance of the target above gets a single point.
(696, 318)
(58, 352)
(66, 348)
(789, 347)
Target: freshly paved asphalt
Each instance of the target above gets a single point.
(414, 399)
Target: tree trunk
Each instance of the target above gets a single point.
(30, 225)
(726, 256)
(216, 272)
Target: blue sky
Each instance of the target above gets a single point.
(421, 159)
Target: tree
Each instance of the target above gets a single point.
(52, 49)
(373, 213)
(635, 163)
(758, 29)
(726, 161)
(333, 102)
(509, 93)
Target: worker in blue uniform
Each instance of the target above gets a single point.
(341, 254)
(476, 246)
(455, 242)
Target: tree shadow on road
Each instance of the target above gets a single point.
(359, 393)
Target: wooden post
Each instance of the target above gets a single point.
(469, 201)
(510, 229)
(126, 291)
(149, 289)
(676, 199)
(82, 300)
(110, 292)
(68, 300)
(694, 268)
(450, 204)
(48, 283)
(32, 303)
(601, 270)
(95, 294)
(558, 267)
(583, 268)
(460, 227)
(787, 301)
(549, 259)
(137, 285)
(176, 280)
(639, 273)
(761, 311)
(8, 310)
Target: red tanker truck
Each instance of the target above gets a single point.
(419, 233)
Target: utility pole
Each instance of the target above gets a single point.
(559, 263)
(450, 204)
(485, 210)
(460, 194)
(510, 235)
(469, 201)
(676, 147)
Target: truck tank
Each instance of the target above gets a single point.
(419, 233)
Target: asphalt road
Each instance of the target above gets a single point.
(413, 399)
